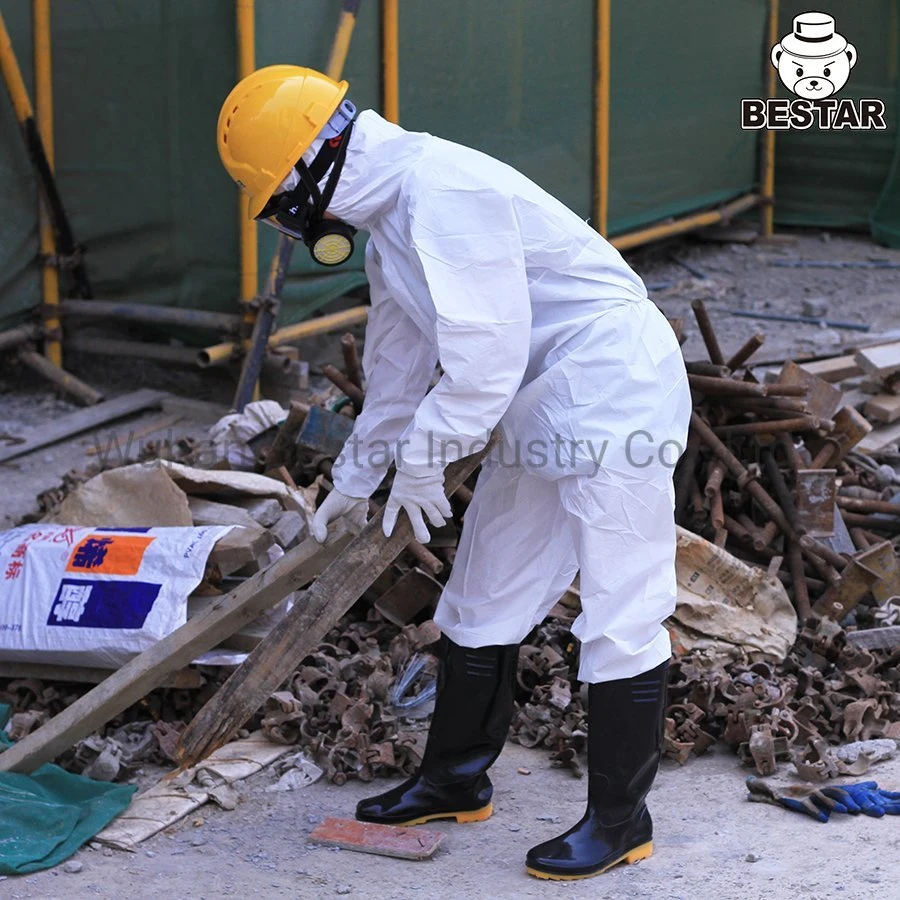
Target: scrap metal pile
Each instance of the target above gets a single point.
(771, 473)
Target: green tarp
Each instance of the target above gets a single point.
(137, 89)
(46, 816)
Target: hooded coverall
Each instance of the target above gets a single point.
(539, 325)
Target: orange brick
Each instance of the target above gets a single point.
(384, 840)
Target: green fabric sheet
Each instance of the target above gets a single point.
(46, 816)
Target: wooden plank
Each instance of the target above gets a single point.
(382, 840)
(83, 420)
(201, 411)
(886, 638)
(303, 628)
(880, 437)
(182, 679)
(883, 408)
(142, 674)
(122, 441)
(835, 369)
(880, 360)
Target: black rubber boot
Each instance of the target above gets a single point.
(472, 712)
(625, 721)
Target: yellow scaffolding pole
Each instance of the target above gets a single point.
(341, 44)
(43, 102)
(767, 150)
(601, 118)
(687, 223)
(390, 55)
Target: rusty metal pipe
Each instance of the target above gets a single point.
(744, 353)
(799, 581)
(64, 380)
(769, 405)
(737, 531)
(857, 505)
(686, 467)
(701, 367)
(708, 333)
(20, 335)
(716, 511)
(343, 383)
(872, 523)
(422, 554)
(714, 481)
(737, 468)
(774, 426)
(859, 538)
(351, 360)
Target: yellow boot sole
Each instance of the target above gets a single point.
(632, 856)
(475, 815)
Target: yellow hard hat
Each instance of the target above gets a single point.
(267, 123)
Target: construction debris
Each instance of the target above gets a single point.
(789, 595)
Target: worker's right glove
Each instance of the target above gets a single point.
(333, 507)
(417, 495)
(820, 802)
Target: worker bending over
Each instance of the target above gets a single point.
(542, 329)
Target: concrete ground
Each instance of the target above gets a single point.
(710, 844)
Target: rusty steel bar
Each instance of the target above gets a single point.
(700, 367)
(737, 468)
(769, 406)
(872, 523)
(857, 505)
(351, 360)
(774, 426)
(744, 353)
(859, 538)
(708, 333)
(716, 511)
(340, 381)
(799, 581)
(714, 481)
(424, 556)
(736, 530)
(686, 467)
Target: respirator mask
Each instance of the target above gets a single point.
(300, 212)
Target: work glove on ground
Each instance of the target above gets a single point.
(820, 802)
(417, 495)
(333, 507)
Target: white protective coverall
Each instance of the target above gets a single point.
(541, 326)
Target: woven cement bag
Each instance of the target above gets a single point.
(95, 597)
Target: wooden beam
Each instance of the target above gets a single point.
(880, 360)
(148, 670)
(182, 679)
(835, 369)
(303, 628)
(83, 420)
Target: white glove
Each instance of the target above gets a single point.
(417, 495)
(333, 507)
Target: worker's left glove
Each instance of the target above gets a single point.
(820, 802)
(417, 495)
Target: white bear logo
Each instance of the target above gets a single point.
(814, 61)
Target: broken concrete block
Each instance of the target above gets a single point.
(289, 528)
(263, 510)
(208, 512)
(240, 547)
